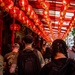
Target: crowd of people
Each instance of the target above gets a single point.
(56, 60)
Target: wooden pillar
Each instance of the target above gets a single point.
(1, 25)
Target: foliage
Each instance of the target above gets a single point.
(73, 32)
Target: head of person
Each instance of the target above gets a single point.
(28, 39)
(15, 47)
(59, 46)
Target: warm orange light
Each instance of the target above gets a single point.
(1, 1)
(29, 9)
(32, 14)
(46, 5)
(64, 2)
(14, 12)
(65, 8)
(45, 12)
(41, 0)
(69, 28)
(23, 3)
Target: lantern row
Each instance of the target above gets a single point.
(45, 6)
(32, 15)
(62, 15)
(70, 26)
(16, 13)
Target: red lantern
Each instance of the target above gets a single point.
(29, 23)
(7, 7)
(23, 20)
(35, 17)
(32, 14)
(45, 5)
(41, 0)
(20, 15)
(45, 12)
(66, 2)
(1, 1)
(23, 2)
(8, 4)
(14, 12)
(37, 22)
(15, 27)
(34, 28)
(28, 9)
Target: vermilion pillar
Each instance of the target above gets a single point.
(1, 25)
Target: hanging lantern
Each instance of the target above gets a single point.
(41, 0)
(20, 15)
(28, 9)
(65, 2)
(45, 5)
(23, 2)
(14, 12)
(15, 27)
(6, 5)
(34, 28)
(35, 17)
(1, 1)
(37, 22)
(29, 23)
(32, 14)
(23, 20)
(45, 12)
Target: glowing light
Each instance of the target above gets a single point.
(22, 2)
(64, 2)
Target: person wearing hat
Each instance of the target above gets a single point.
(10, 60)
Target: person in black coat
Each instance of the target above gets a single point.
(60, 64)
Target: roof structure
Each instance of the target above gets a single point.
(50, 19)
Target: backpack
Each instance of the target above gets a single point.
(30, 64)
(67, 69)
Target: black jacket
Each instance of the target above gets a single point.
(61, 66)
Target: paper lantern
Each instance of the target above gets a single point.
(1, 1)
(15, 27)
(14, 12)
(32, 14)
(45, 12)
(66, 2)
(23, 19)
(35, 17)
(45, 5)
(20, 15)
(23, 2)
(41, 0)
(28, 9)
